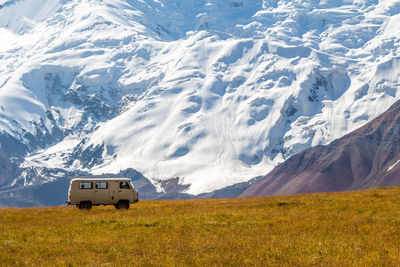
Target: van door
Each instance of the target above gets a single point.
(125, 191)
(113, 188)
(101, 193)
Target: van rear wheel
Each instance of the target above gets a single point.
(123, 204)
(85, 205)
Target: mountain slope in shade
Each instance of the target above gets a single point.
(367, 157)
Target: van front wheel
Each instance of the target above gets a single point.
(85, 205)
(123, 204)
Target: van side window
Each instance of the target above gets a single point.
(101, 185)
(124, 185)
(86, 185)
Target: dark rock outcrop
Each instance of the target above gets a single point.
(7, 169)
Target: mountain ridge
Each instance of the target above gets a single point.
(214, 92)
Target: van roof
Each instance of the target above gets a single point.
(98, 179)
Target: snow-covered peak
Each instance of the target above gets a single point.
(214, 92)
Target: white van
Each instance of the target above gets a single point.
(88, 192)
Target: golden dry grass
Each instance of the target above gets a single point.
(334, 229)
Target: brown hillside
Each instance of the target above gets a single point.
(364, 158)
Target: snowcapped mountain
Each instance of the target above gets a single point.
(214, 92)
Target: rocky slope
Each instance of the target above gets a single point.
(367, 157)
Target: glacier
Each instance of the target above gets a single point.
(211, 92)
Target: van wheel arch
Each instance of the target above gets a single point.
(85, 205)
(123, 204)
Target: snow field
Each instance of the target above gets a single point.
(213, 92)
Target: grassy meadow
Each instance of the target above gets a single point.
(330, 229)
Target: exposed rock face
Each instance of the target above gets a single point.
(7, 169)
(367, 157)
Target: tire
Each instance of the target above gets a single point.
(123, 204)
(85, 205)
